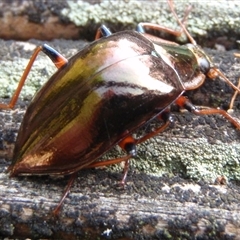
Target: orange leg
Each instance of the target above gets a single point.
(167, 118)
(183, 102)
(102, 31)
(57, 59)
(143, 26)
(238, 86)
(234, 96)
(96, 164)
(129, 143)
(69, 185)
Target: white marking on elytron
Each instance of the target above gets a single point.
(118, 51)
(136, 71)
(163, 54)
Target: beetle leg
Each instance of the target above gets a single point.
(183, 102)
(66, 191)
(57, 59)
(103, 31)
(238, 86)
(141, 27)
(128, 144)
(167, 118)
(234, 96)
(114, 161)
(55, 56)
(93, 165)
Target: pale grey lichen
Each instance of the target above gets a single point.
(12, 68)
(205, 16)
(9, 79)
(196, 159)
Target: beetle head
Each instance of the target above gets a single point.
(207, 67)
(205, 64)
(203, 60)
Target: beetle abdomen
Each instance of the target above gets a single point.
(82, 116)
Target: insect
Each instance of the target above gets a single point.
(104, 93)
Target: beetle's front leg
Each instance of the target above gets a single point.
(184, 102)
(56, 58)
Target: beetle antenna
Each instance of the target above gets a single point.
(234, 96)
(171, 5)
(214, 72)
(237, 91)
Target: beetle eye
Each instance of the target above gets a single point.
(204, 65)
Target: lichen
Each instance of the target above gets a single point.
(196, 159)
(204, 17)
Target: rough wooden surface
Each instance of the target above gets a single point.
(35, 19)
(212, 22)
(170, 191)
(150, 207)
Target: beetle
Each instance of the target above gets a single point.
(101, 95)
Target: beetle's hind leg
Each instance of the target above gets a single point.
(128, 144)
(66, 192)
(56, 58)
(102, 31)
(143, 26)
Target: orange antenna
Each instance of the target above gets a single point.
(237, 91)
(171, 5)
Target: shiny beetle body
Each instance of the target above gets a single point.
(99, 97)
(105, 92)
